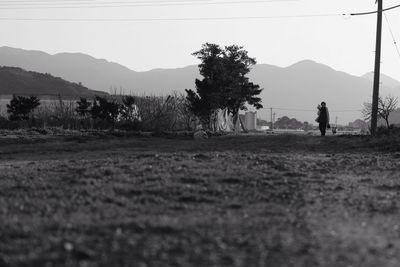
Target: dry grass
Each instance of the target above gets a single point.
(227, 201)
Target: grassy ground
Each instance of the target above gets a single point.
(227, 201)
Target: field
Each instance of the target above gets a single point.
(285, 200)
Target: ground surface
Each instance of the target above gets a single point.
(227, 201)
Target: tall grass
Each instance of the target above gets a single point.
(168, 113)
(57, 113)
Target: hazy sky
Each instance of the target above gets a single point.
(279, 38)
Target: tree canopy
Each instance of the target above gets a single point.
(224, 83)
(288, 123)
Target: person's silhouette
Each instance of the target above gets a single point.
(323, 118)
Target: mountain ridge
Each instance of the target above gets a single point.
(384, 79)
(17, 81)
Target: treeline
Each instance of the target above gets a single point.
(146, 113)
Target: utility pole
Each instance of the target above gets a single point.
(375, 95)
(273, 118)
(272, 123)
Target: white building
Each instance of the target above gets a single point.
(250, 120)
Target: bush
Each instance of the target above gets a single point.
(83, 107)
(128, 109)
(392, 130)
(105, 111)
(6, 124)
(169, 113)
(57, 113)
(21, 107)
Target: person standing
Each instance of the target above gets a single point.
(323, 118)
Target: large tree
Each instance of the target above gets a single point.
(224, 83)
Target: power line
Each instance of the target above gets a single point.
(85, 2)
(23, 2)
(61, 5)
(391, 32)
(164, 19)
(37, 1)
(91, 2)
(102, 1)
(371, 12)
(141, 3)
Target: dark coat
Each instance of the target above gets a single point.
(323, 115)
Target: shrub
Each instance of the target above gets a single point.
(169, 113)
(57, 113)
(8, 124)
(21, 107)
(128, 115)
(106, 112)
(128, 109)
(391, 130)
(83, 107)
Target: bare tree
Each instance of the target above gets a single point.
(385, 107)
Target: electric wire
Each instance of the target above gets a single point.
(75, 2)
(372, 12)
(48, 5)
(91, 2)
(83, 1)
(392, 34)
(105, 1)
(141, 3)
(162, 19)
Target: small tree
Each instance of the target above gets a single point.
(385, 107)
(128, 109)
(83, 107)
(105, 110)
(20, 107)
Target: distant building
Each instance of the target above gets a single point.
(250, 120)
(264, 128)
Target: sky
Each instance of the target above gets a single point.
(144, 35)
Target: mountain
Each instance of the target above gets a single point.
(99, 74)
(15, 80)
(296, 90)
(384, 80)
(292, 91)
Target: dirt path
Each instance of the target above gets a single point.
(227, 201)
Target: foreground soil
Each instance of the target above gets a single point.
(227, 201)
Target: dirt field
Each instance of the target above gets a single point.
(285, 200)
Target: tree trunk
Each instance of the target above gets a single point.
(387, 122)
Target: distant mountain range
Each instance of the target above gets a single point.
(100, 74)
(293, 91)
(14, 80)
